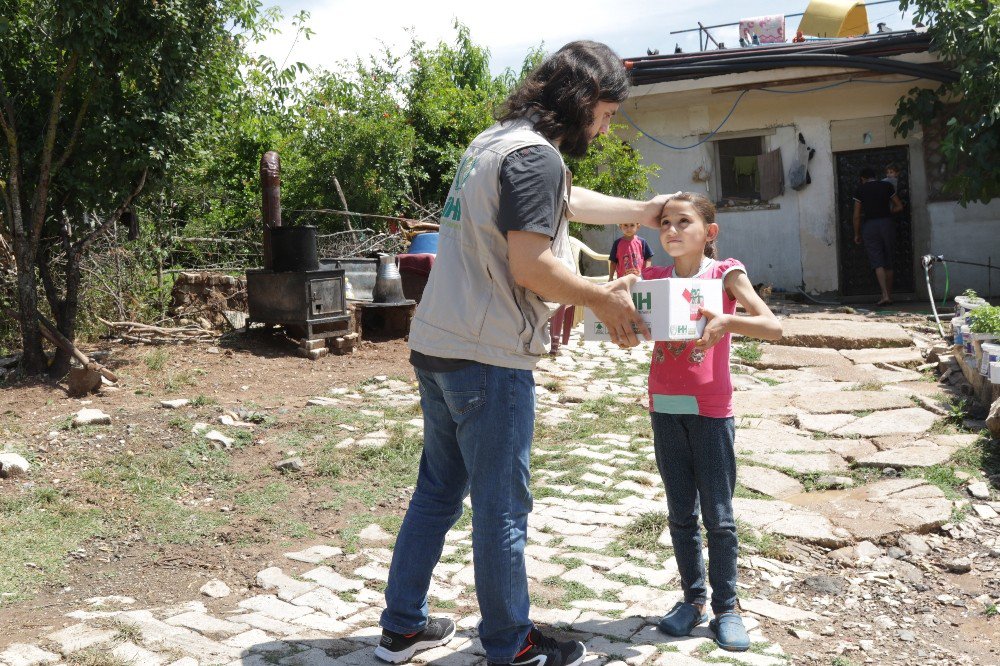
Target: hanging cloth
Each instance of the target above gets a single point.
(769, 29)
(746, 166)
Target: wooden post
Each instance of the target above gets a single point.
(270, 185)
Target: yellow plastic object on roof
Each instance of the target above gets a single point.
(834, 18)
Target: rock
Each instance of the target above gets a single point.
(832, 482)
(906, 635)
(780, 357)
(895, 552)
(913, 544)
(216, 436)
(979, 490)
(91, 417)
(984, 511)
(959, 565)
(845, 555)
(777, 612)
(174, 404)
(215, 589)
(289, 465)
(375, 533)
(802, 634)
(834, 585)
(900, 569)
(322, 401)
(768, 481)
(81, 381)
(12, 464)
(993, 420)
(866, 549)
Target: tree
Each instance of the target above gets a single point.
(966, 36)
(95, 99)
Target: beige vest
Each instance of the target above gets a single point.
(471, 308)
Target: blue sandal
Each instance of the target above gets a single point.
(730, 634)
(681, 620)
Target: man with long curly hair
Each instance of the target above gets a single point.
(503, 265)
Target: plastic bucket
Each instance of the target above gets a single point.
(424, 243)
(991, 355)
(956, 330)
(995, 373)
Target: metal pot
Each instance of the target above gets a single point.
(388, 283)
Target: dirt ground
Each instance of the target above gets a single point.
(243, 371)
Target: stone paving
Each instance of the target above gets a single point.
(804, 415)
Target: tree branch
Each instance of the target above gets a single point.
(81, 246)
(75, 134)
(38, 207)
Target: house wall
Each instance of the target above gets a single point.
(795, 245)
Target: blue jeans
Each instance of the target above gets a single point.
(697, 462)
(478, 425)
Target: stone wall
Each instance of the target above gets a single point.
(204, 298)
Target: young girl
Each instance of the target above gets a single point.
(690, 404)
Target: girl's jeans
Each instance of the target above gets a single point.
(697, 461)
(478, 425)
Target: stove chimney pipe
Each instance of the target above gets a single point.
(270, 186)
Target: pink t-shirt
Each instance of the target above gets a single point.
(630, 255)
(684, 380)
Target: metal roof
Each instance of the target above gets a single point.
(871, 52)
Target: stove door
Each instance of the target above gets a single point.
(326, 297)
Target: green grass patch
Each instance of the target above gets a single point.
(157, 359)
(38, 529)
(767, 545)
(867, 386)
(644, 531)
(749, 352)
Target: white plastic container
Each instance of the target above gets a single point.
(995, 373)
(991, 356)
(956, 330)
(970, 350)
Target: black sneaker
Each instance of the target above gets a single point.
(397, 648)
(541, 651)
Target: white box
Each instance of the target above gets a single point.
(669, 306)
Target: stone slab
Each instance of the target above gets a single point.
(777, 357)
(883, 508)
(913, 420)
(902, 357)
(843, 334)
(779, 612)
(788, 520)
(847, 402)
(768, 481)
(804, 463)
(910, 456)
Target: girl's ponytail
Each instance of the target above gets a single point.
(711, 250)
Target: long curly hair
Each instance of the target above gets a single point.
(563, 91)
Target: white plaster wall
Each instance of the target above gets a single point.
(965, 234)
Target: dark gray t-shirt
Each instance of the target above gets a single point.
(530, 200)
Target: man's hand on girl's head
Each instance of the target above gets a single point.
(653, 209)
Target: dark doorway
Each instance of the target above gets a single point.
(857, 279)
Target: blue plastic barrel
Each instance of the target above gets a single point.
(424, 243)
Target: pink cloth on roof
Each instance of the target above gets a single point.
(678, 369)
(769, 29)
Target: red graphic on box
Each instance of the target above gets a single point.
(696, 299)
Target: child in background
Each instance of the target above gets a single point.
(630, 253)
(892, 175)
(690, 404)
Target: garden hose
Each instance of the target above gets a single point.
(928, 260)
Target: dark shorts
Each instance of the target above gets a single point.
(879, 237)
